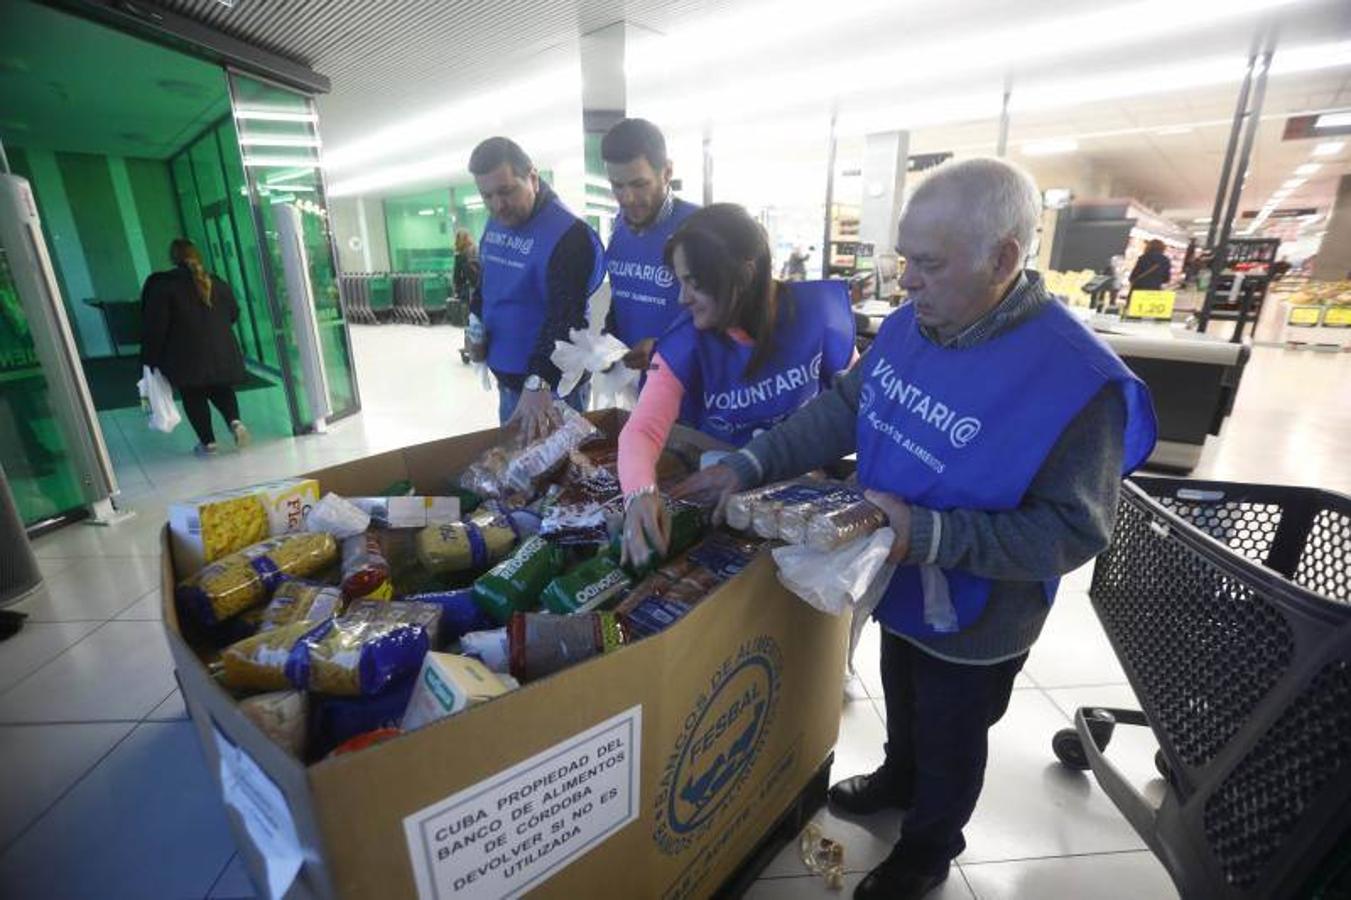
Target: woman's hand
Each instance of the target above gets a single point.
(709, 487)
(898, 515)
(647, 530)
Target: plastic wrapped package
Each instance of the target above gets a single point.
(515, 584)
(365, 571)
(232, 584)
(577, 515)
(402, 612)
(408, 512)
(297, 600)
(336, 720)
(491, 647)
(740, 511)
(338, 517)
(472, 545)
(258, 663)
(542, 644)
(517, 473)
(597, 583)
(723, 554)
(281, 715)
(355, 657)
(832, 529)
(765, 514)
(793, 517)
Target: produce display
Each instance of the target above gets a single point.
(383, 616)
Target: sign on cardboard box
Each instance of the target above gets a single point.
(503, 836)
(263, 810)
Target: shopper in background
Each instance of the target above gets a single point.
(746, 352)
(994, 431)
(468, 271)
(540, 265)
(644, 295)
(1153, 269)
(187, 316)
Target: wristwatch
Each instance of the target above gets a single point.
(534, 383)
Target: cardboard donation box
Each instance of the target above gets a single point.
(652, 771)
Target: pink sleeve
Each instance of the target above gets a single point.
(644, 435)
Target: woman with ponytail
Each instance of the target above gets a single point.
(186, 319)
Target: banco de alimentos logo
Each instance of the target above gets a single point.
(719, 745)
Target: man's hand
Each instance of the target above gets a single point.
(898, 514)
(709, 486)
(647, 530)
(640, 355)
(536, 414)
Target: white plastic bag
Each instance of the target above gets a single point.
(851, 578)
(600, 355)
(157, 398)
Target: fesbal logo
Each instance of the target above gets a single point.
(719, 744)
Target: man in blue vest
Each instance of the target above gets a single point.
(994, 430)
(644, 293)
(540, 264)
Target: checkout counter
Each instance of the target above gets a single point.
(1193, 377)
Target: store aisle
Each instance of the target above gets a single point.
(105, 793)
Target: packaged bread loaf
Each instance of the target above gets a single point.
(236, 582)
(518, 473)
(741, 508)
(765, 515)
(793, 517)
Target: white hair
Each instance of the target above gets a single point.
(999, 199)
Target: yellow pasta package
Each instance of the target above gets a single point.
(205, 529)
(229, 586)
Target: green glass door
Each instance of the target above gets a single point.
(279, 137)
(33, 452)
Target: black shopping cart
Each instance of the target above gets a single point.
(1229, 607)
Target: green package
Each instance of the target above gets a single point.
(688, 525)
(515, 584)
(597, 583)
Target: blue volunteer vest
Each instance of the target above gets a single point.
(948, 429)
(643, 289)
(813, 340)
(516, 282)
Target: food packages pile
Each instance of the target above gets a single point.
(385, 614)
(820, 514)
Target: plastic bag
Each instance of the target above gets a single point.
(853, 577)
(516, 472)
(599, 354)
(466, 546)
(258, 663)
(157, 399)
(297, 600)
(354, 657)
(338, 517)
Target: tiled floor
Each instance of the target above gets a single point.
(105, 795)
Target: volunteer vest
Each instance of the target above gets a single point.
(813, 340)
(970, 428)
(643, 289)
(516, 282)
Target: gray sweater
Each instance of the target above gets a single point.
(1064, 520)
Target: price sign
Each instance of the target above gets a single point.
(1337, 317)
(1304, 316)
(1151, 305)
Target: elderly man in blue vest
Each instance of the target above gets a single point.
(994, 430)
(644, 293)
(540, 265)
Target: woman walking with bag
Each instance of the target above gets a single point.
(187, 314)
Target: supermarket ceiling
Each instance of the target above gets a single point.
(104, 92)
(1111, 74)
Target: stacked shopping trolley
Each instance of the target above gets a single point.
(374, 298)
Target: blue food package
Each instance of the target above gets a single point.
(460, 615)
(652, 615)
(336, 720)
(724, 555)
(353, 657)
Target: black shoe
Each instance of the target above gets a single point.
(864, 795)
(892, 880)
